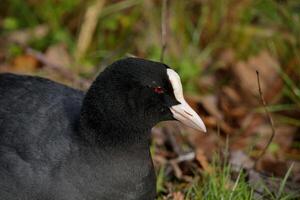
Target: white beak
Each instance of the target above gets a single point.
(183, 112)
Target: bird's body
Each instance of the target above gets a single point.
(58, 143)
(49, 159)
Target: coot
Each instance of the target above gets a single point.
(59, 143)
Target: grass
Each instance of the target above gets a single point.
(224, 182)
(220, 185)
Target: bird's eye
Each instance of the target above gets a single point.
(158, 90)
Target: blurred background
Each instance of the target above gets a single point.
(216, 47)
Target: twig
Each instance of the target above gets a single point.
(185, 157)
(170, 133)
(176, 168)
(60, 69)
(164, 16)
(269, 119)
(164, 32)
(88, 28)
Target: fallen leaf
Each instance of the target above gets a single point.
(24, 64)
(245, 74)
(238, 159)
(271, 166)
(176, 168)
(201, 158)
(58, 55)
(178, 196)
(210, 104)
(206, 82)
(209, 143)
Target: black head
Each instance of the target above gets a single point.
(147, 89)
(136, 93)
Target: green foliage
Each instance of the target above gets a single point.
(14, 50)
(10, 23)
(219, 184)
(32, 13)
(198, 31)
(160, 180)
(29, 14)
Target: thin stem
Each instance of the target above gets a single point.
(164, 16)
(269, 119)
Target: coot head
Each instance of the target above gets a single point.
(141, 93)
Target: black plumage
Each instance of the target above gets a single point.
(58, 143)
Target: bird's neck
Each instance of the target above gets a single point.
(99, 128)
(106, 119)
(124, 153)
(110, 135)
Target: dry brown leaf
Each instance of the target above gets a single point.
(201, 158)
(209, 143)
(271, 166)
(232, 94)
(231, 103)
(24, 64)
(193, 101)
(177, 170)
(239, 159)
(245, 73)
(283, 137)
(239, 112)
(210, 121)
(227, 57)
(178, 196)
(206, 82)
(158, 136)
(5, 68)
(59, 60)
(58, 55)
(226, 128)
(295, 170)
(210, 105)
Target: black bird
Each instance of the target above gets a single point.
(58, 143)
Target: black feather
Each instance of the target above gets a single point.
(57, 143)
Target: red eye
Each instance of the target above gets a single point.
(158, 90)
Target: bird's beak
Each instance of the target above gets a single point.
(183, 112)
